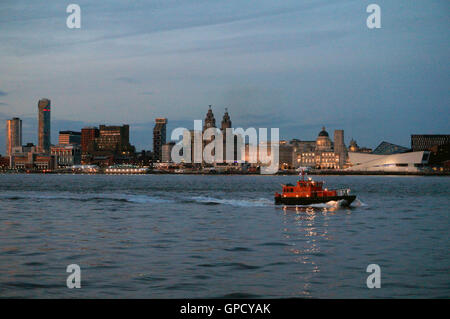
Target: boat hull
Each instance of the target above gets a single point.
(313, 200)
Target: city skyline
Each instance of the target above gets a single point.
(68, 126)
(297, 66)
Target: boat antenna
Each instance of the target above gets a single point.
(302, 174)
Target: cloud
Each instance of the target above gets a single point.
(128, 80)
(296, 65)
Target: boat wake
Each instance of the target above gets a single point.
(358, 203)
(155, 199)
(206, 200)
(86, 197)
(335, 204)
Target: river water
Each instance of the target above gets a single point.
(184, 236)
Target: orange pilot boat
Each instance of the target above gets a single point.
(308, 192)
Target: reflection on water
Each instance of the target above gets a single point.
(220, 236)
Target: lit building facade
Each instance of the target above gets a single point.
(398, 162)
(69, 137)
(33, 161)
(321, 154)
(66, 154)
(13, 134)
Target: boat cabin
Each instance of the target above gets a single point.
(307, 188)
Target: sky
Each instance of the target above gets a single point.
(296, 65)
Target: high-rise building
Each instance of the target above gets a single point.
(339, 147)
(112, 145)
(44, 125)
(88, 135)
(69, 137)
(114, 139)
(13, 134)
(159, 138)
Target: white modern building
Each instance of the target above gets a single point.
(402, 162)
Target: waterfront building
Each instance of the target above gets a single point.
(88, 135)
(285, 150)
(159, 138)
(227, 124)
(226, 121)
(66, 154)
(69, 137)
(114, 139)
(438, 145)
(44, 125)
(321, 153)
(210, 121)
(397, 162)
(33, 161)
(13, 134)
(353, 147)
(323, 142)
(339, 147)
(167, 152)
(112, 146)
(4, 162)
(251, 152)
(144, 158)
(299, 148)
(24, 149)
(426, 142)
(386, 148)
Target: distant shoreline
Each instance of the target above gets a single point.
(312, 173)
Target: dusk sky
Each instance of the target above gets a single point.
(297, 65)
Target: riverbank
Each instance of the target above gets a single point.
(281, 172)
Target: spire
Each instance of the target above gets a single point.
(226, 121)
(210, 121)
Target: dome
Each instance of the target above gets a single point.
(353, 146)
(323, 132)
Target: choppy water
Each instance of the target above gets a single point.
(162, 236)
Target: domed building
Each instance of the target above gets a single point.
(323, 156)
(323, 142)
(353, 146)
